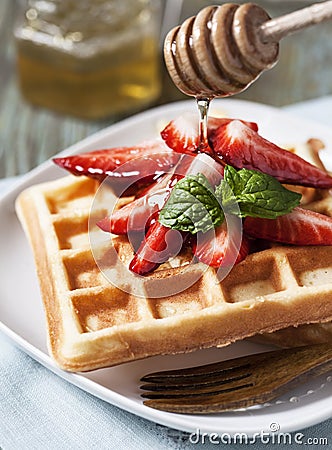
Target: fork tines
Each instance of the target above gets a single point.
(236, 383)
(198, 384)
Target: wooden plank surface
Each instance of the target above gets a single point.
(30, 135)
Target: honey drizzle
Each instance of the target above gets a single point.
(203, 109)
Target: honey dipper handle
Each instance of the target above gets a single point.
(275, 29)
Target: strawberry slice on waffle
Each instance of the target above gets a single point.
(137, 215)
(300, 227)
(217, 247)
(182, 133)
(159, 245)
(124, 167)
(242, 147)
(161, 242)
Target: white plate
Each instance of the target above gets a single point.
(23, 318)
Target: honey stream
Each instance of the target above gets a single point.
(203, 105)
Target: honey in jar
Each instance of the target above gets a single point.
(89, 58)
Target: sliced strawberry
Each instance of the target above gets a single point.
(160, 242)
(140, 213)
(216, 122)
(136, 215)
(240, 146)
(300, 227)
(217, 248)
(137, 212)
(203, 163)
(123, 166)
(182, 133)
(99, 163)
(159, 245)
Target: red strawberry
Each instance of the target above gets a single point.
(182, 133)
(136, 215)
(122, 165)
(216, 248)
(161, 242)
(140, 213)
(240, 146)
(300, 227)
(159, 245)
(133, 216)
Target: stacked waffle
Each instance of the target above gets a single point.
(99, 314)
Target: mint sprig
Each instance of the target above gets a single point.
(195, 206)
(256, 194)
(192, 206)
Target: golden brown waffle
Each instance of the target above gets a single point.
(93, 324)
(309, 333)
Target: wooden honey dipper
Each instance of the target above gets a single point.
(223, 49)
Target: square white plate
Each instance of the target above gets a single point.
(22, 316)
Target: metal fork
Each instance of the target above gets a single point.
(235, 383)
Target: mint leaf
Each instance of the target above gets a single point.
(256, 194)
(226, 197)
(192, 206)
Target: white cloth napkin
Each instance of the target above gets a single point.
(39, 410)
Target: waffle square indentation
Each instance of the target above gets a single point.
(99, 310)
(75, 196)
(192, 294)
(82, 271)
(73, 231)
(261, 280)
(306, 269)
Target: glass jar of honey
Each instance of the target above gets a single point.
(89, 58)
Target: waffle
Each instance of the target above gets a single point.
(94, 323)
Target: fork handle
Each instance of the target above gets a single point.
(275, 29)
